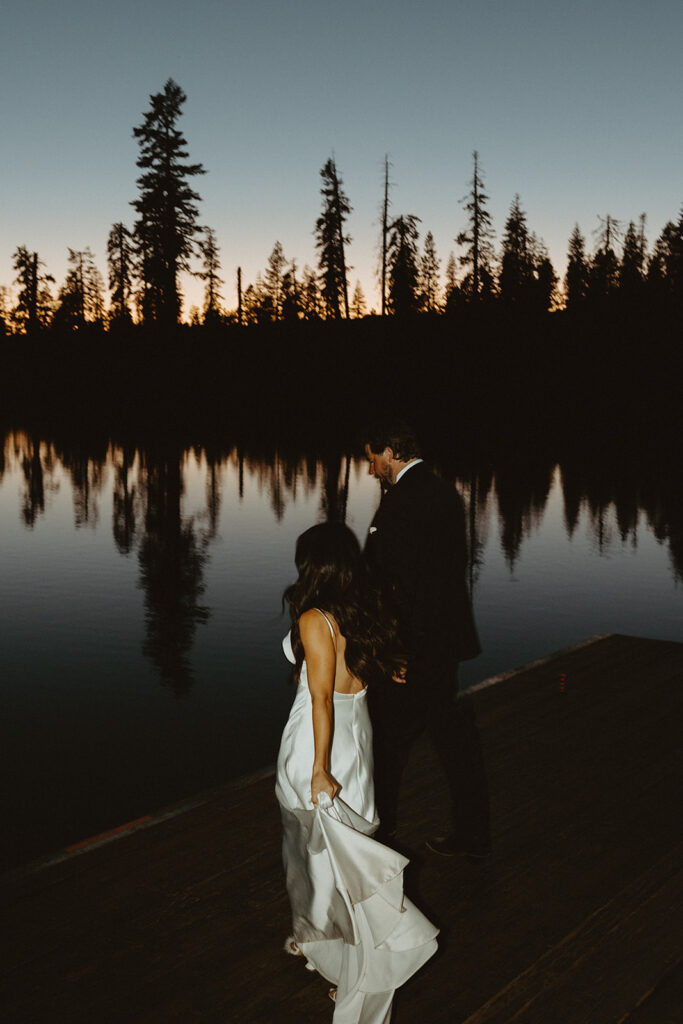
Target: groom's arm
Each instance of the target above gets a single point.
(395, 553)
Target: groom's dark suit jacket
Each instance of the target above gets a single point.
(417, 546)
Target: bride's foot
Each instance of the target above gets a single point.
(291, 947)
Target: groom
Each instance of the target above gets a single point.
(417, 548)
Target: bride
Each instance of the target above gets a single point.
(351, 920)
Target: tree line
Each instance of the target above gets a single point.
(145, 260)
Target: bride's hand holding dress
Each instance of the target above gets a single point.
(323, 782)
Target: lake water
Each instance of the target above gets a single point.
(140, 618)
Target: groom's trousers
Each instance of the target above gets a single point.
(403, 711)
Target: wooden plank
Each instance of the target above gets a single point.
(662, 1003)
(634, 933)
(184, 921)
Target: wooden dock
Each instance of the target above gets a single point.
(575, 918)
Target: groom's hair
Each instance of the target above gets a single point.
(398, 436)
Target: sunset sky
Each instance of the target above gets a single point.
(577, 107)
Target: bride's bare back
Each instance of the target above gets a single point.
(344, 681)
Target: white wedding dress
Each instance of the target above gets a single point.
(350, 917)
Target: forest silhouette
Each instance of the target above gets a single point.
(621, 275)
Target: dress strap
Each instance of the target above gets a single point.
(328, 622)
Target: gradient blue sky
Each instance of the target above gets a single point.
(575, 106)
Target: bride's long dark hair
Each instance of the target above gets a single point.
(333, 577)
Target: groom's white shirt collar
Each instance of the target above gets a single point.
(405, 469)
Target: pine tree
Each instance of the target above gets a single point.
(311, 302)
(544, 280)
(290, 309)
(429, 276)
(403, 270)
(517, 266)
(642, 241)
(120, 260)
(258, 303)
(95, 296)
(665, 268)
(604, 273)
(5, 311)
(146, 291)
(452, 291)
(676, 263)
(34, 301)
(273, 278)
(451, 274)
(659, 265)
(545, 284)
(576, 277)
(81, 299)
(358, 306)
(168, 214)
(330, 242)
(385, 237)
(250, 302)
(71, 309)
(478, 238)
(240, 310)
(209, 274)
(631, 269)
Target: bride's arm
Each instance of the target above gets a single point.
(321, 662)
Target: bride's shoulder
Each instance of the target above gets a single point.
(311, 619)
(315, 625)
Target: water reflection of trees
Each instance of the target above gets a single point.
(37, 461)
(33, 504)
(613, 493)
(610, 499)
(126, 499)
(616, 493)
(477, 489)
(522, 487)
(284, 476)
(335, 487)
(148, 487)
(172, 558)
(213, 496)
(87, 479)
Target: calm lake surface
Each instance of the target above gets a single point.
(140, 621)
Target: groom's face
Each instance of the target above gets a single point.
(380, 465)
